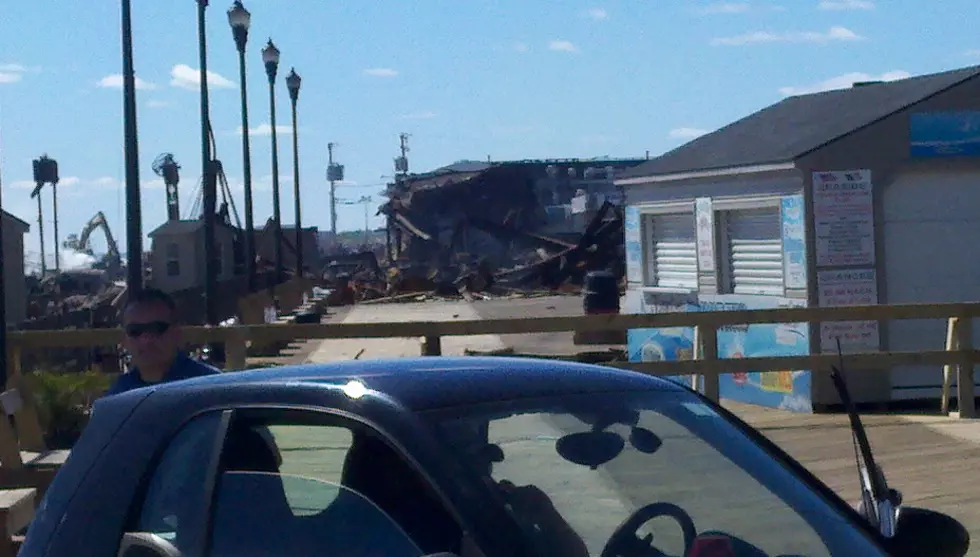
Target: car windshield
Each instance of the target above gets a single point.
(572, 470)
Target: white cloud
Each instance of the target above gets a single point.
(12, 73)
(186, 77)
(418, 115)
(686, 133)
(843, 81)
(974, 53)
(838, 5)
(158, 104)
(562, 46)
(834, 34)
(521, 47)
(70, 181)
(724, 8)
(596, 14)
(266, 129)
(115, 81)
(380, 72)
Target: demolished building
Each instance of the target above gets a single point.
(501, 215)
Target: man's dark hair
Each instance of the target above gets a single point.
(152, 296)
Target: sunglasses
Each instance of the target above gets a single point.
(153, 328)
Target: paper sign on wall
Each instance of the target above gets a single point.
(843, 218)
(852, 287)
(705, 218)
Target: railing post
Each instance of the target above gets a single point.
(235, 351)
(964, 388)
(952, 345)
(432, 345)
(707, 336)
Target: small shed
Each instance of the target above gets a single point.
(177, 254)
(850, 197)
(14, 277)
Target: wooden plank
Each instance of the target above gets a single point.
(17, 508)
(965, 394)
(816, 362)
(105, 337)
(27, 420)
(951, 344)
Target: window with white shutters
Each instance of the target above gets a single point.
(672, 259)
(755, 251)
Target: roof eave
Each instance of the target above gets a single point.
(710, 173)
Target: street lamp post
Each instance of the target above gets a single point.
(270, 56)
(240, 19)
(293, 82)
(134, 216)
(209, 176)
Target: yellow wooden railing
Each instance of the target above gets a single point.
(958, 355)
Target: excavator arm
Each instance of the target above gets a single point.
(99, 222)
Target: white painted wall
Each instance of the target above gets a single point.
(931, 225)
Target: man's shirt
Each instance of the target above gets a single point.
(183, 367)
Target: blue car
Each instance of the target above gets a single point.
(486, 457)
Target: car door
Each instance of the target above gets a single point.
(281, 481)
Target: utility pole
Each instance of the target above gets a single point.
(401, 172)
(332, 178)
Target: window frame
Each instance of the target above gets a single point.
(159, 454)
(722, 209)
(648, 212)
(313, 416)
(172, 257)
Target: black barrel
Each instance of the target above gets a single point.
(601, 294)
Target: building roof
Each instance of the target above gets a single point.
(183, 226)
(26, 227)
(799, 125)
(172, 227)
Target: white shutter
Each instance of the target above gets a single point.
(672, 258)
(755, 251)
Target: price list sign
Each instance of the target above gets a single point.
(843, 218)
(854, 287)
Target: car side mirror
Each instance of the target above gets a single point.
(145, 544)
(926, 532)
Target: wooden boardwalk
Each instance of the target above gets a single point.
(929, 458)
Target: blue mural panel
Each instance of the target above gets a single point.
(786, 389)
(944, 134)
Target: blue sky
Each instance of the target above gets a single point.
(508, 79)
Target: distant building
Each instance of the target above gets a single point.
(15, 285)
(177, 254)
(265, 247)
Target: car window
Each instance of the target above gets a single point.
(332, 451)
(575, 471)
(252, 517)
(313, 451)
(173, 506)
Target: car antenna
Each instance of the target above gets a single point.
(878, 500)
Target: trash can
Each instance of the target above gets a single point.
(601, 293)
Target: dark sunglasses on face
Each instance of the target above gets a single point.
(153, 328)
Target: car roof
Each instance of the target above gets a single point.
(436, 382)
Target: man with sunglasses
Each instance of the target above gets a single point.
(153, 339)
